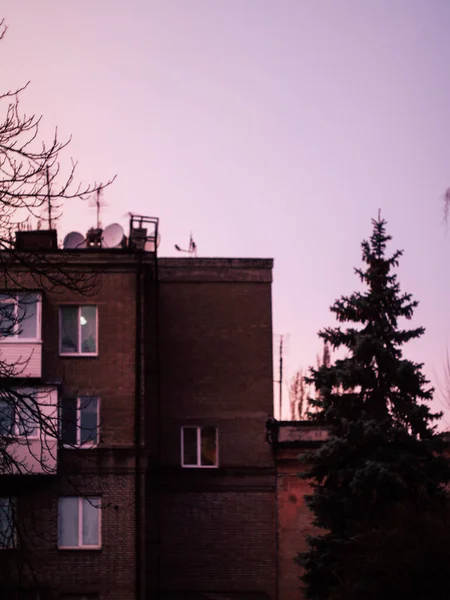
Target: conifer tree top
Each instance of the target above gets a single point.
(374, 381)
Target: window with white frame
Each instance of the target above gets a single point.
(80, 421)
(199, 447)
(78, 330)
(7, 527)
(20, 316)
(79, 522)
(19, 413)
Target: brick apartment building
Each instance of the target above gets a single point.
(161, 484)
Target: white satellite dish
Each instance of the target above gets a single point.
(112, 236)
(74, 240)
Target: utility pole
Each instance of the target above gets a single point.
(280, 382)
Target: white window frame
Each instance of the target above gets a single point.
(80, 546)
(12, 502)
(85, 445)
(79, 597)
(199, 447)
(13, 298)
(16, 434)
(79, 307)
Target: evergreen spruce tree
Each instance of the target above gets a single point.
(383, 458)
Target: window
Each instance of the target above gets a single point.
(19, 413)
(199, 446)
(7, 537)
(80, 421)
(20, 316)
(79, 597)
(79, 520)
(78, 330)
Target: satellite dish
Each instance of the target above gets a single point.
(74, 240)
(112, 236)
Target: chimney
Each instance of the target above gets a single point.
(41, 240)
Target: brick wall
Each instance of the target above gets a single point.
(218, 541)
(294, 522)
(110, 571)
(216, 526)
(294, 517)
(110, 375)
(107, 471)
(216, 366)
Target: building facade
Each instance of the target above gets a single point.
(294, 523)
(216, 484)
(147, 474)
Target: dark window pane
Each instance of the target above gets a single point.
(88, 321)
(208, 446)
(27, 315)
(27, 413)
(6, 417)
(88, 420)
(8, 318)
(190, 446)
(69, 329)
(69, 421)
(6, 523)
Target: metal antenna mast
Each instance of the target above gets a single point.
(99, 203)
(281, 377)
(49, 200)
(192, 247)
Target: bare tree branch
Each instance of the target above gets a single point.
(33, 179)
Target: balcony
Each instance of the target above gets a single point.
(20, 334)
(29, 431)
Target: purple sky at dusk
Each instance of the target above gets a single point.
(267, 128)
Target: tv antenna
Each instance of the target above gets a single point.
(49, 202)
(192, 247)
(99, 203)
(50, 217)
(282, 343)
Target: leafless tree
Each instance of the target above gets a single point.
(446, 206)
(34, 184)
(298, 396)
(324, 360)
(300, 388)
(443, 386)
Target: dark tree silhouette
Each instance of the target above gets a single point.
(383, 455)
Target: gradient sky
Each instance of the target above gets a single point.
(268, 128)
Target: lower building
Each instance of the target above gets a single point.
(294, 522)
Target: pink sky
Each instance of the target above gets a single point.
(267, 128)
